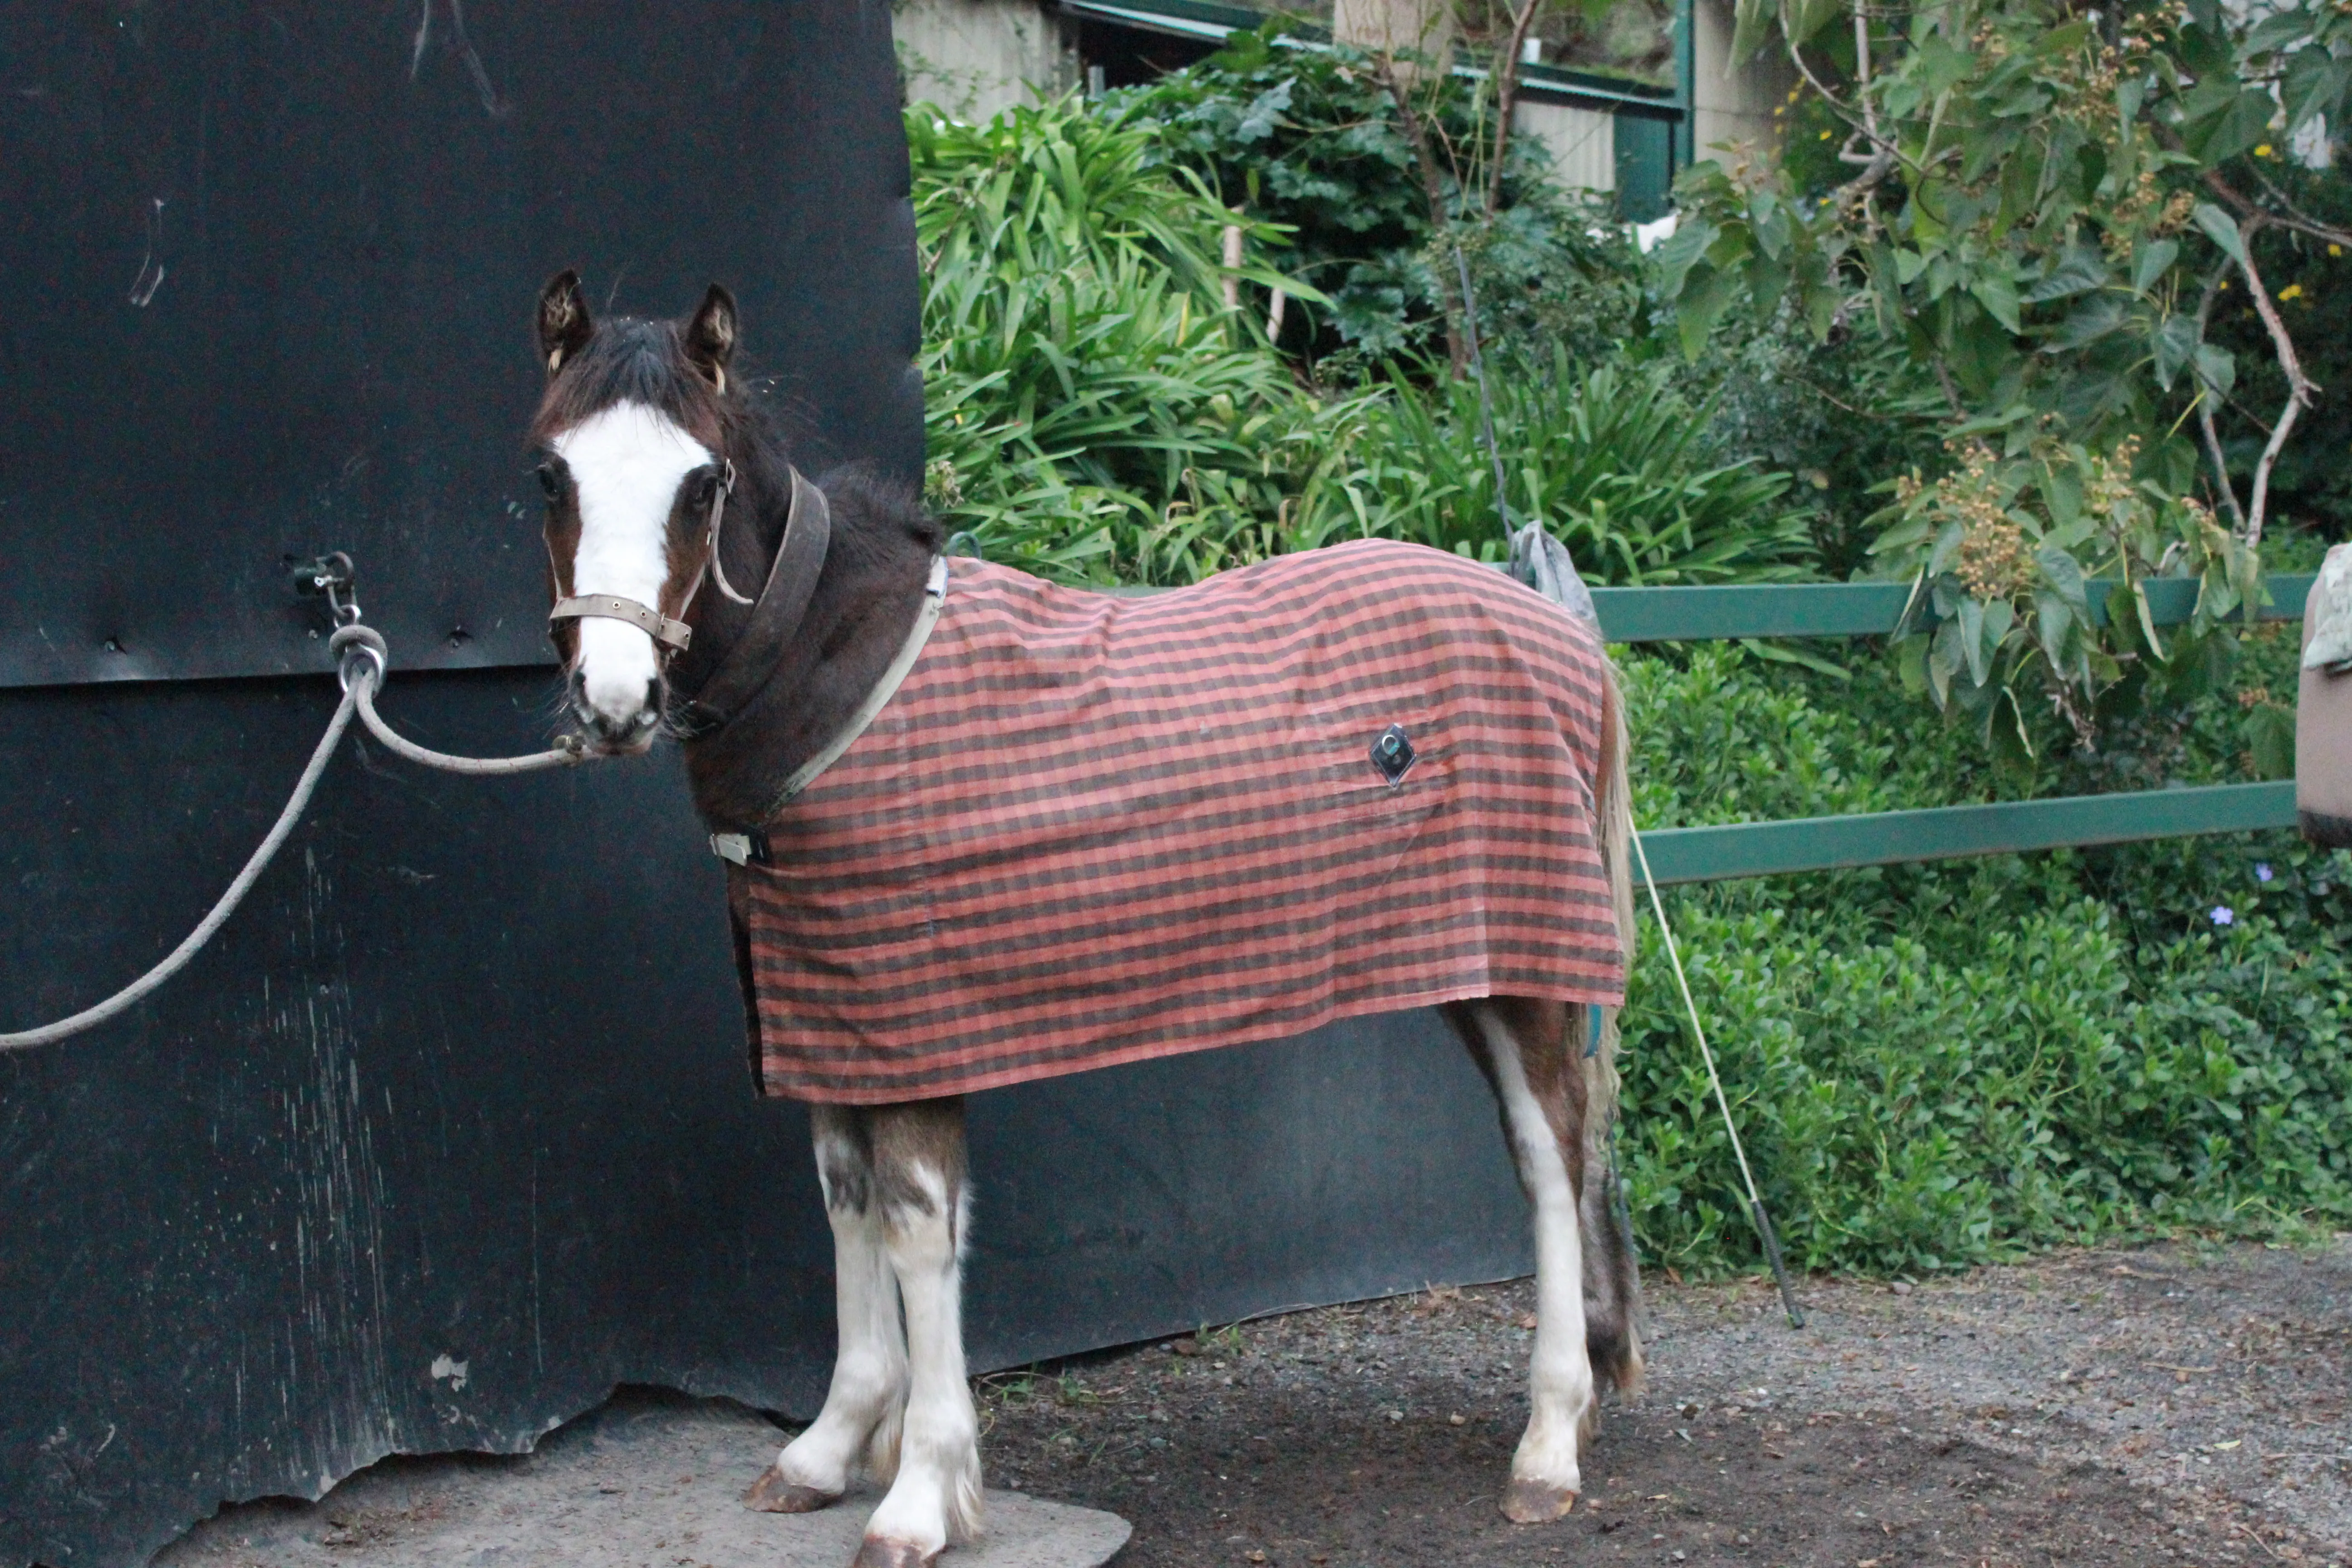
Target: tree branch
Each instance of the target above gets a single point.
(2285, 213)
(1432, 189)
(2206, 395)
(1506, 95)
(2299, 389)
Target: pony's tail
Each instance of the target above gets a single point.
(1612, 1280)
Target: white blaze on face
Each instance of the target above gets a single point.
(626, 464)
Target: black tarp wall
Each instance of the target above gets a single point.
(450, 1130)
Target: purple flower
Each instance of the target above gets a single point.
(2262, 871)
(2224, 915)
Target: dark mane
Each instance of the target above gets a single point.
(631, 360)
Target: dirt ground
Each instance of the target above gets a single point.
(2171, 1406)
(2177, 1404)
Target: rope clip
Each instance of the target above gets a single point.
(334, 577)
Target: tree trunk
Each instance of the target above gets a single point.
(1397, 30)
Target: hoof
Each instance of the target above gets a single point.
(1536, 1502)
(876, 1554)
(773, 1494)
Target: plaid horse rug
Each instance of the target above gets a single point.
(1091, 829)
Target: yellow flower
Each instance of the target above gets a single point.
(1826, 135)
(2264, 150)
(2292, 291)
(2334, 250)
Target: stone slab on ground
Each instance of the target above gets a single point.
(648, 1480)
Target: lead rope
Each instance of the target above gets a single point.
(362, 662)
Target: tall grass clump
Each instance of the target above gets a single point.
(1097, 412)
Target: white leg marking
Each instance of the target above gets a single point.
(936, 1499)
(627, 462)
(1560, 1383)
(869, 1370)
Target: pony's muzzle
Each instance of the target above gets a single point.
(622, 726)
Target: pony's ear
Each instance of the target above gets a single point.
(563, 323)
(710, 336)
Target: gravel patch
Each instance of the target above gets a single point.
(2155, 1407)
(2159, 1405)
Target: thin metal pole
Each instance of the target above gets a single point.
(1755, 1199)
(1478, 371)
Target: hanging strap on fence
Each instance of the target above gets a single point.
(361, 660)
(1715, 1081)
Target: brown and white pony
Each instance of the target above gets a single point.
(644, 433)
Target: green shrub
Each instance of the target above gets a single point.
(1309, 140)
(1944, 1064)
(1608, 458)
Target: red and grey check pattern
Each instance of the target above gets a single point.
(1091, 829)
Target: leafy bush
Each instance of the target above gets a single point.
(1096, 412)
(1940, 1065)
(1085, 383)
(1308, 138)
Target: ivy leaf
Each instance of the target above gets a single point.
(2065, 574)
(1800, 20)
(1972, 639)
(2175, 342)
(2216, 367)
(1998, 295)
(2316, 80)
(1701, 304)
(1752, 23)
(1264, 112)
(2152, 261)
(2222, 230)
(2270, 735)
(1681, 251)
(2078, 272)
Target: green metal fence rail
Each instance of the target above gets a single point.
(1832, 843)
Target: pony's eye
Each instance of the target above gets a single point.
(549, 483)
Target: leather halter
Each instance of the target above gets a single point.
(775, 619)
(673, 635)
(776, 614)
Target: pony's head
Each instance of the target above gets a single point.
(631, 437)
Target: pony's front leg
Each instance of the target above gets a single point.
(918, 1182)
(1539, 1086)
(869, 1371)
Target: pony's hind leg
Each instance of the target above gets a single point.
(919, 1192)
(861, 1409)
(1540, 1084)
